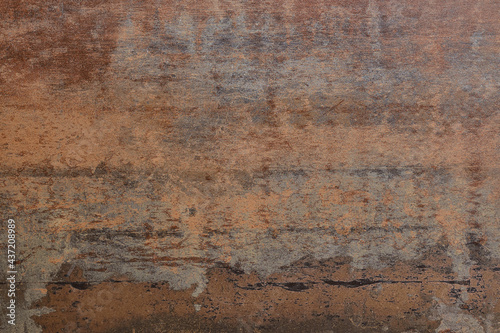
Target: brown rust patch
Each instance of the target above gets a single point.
(309, 295)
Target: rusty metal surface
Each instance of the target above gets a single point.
(252, 166)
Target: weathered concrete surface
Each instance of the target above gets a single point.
(248, 166)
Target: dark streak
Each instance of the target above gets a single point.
(354, 283)
(80, 285)
(300, 286)
(293, 286)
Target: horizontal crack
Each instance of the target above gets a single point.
(301, 286)
(292, 286)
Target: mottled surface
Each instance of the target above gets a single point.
(252, 166)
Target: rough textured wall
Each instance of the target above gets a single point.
(252, 166)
